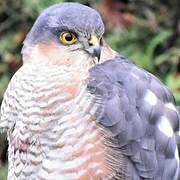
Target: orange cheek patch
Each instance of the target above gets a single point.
(56, 54)
(49, 49)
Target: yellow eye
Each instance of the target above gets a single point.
(68, 38)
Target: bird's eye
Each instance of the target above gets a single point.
(68, 38)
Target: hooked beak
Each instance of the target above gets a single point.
(95, 48)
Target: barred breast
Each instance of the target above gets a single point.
(52, 132)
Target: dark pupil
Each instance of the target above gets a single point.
(68, 37)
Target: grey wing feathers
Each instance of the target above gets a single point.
(141, 114)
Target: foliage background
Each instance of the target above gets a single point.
(146, 31)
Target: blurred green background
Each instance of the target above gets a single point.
(146, 31)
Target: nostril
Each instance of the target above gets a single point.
(90, 44)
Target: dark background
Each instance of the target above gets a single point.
(146, 31)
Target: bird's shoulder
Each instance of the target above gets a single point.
(140, 112)
(121, 78)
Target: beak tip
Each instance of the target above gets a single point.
(95, 51)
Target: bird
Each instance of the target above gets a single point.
(78, 110)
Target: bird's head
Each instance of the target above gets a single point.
(66, 33)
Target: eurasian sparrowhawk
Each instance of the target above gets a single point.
(69, 117)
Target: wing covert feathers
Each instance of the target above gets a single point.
(139, 112)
